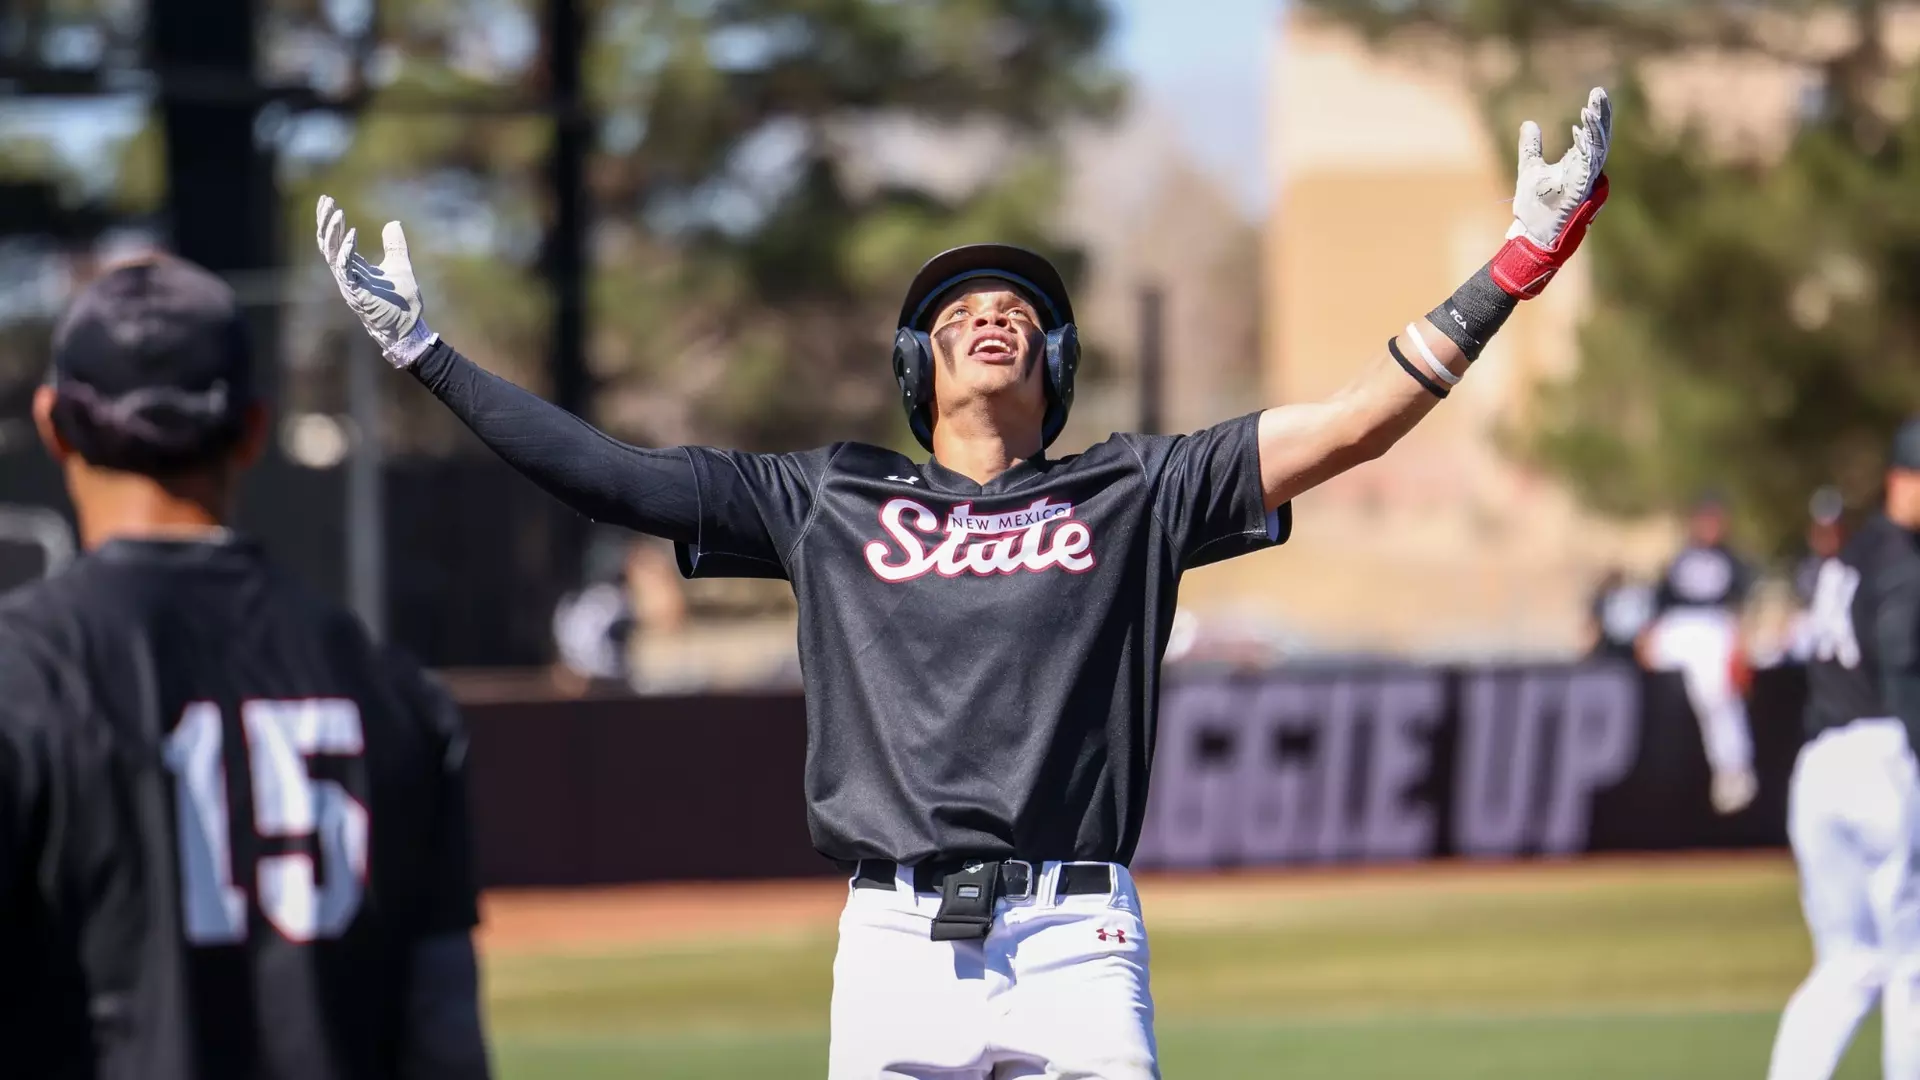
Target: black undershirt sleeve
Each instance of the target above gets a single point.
(647, 490)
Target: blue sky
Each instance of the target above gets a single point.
(1205, 61)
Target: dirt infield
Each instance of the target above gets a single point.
(597, 919)
(542, 920)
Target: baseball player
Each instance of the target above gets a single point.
(233, 836)
(980, 633)
(1853, 808)
(1617, 615)
(1696, 631)
(1824, 537)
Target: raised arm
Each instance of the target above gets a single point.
(651, 491)
(1307, 444)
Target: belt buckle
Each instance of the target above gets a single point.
(1016, 880)
(1105, 869)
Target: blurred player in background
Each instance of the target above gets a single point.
(233, 836)
(1824, 538)
(1696, 631)
(594, 625)
(1619, 612)
(1854, 805)
(598, 629)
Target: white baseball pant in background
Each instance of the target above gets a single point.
(1700, 644)
(1854, 819)
(1057, 989)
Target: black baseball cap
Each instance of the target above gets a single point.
(157, 332)
(1906, 446)
(1028, 270)
(152, 369)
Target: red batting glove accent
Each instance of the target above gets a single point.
(1740, 671)
(1523, 268)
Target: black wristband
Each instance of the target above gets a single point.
(1421, 377)
(1474, 313)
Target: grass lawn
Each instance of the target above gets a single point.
(1564, 971)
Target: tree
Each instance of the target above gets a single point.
(748, 245)
(1754, 324)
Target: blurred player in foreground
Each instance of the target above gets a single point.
(981, 634)
(233, 838)
(1697, 631)
(1854, 805)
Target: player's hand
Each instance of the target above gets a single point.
(1553, 203)
(385, 297)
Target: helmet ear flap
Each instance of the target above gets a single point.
(913, 370)
(1063, 360)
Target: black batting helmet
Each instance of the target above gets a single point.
(1027, 270)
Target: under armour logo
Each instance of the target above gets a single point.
(904, 479)
(1111, 935)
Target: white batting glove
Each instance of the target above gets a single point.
(385, 297)
(1553, 203)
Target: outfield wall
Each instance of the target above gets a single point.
(1297, 766)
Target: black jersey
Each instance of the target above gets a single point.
(1865, 628)
(225, 818)
(982, 662)
(1806, 577)
(1703, 576)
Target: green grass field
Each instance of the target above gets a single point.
(1675, 970)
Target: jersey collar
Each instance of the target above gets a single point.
(941, 478)
(213, 547)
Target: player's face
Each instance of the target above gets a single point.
(987, 342)
(1903, 497)
(1708, 527)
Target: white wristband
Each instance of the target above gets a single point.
(1426, 353)
(404, 352)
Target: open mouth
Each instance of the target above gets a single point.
(992, 347)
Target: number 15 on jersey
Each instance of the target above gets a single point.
(287, 802)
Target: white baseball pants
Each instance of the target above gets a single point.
(1056, 990)
(1854, 819)
(1700, 645)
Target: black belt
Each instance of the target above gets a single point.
(1016, 877)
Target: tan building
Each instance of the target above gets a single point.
(1388, 192)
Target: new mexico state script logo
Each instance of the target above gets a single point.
(1039, 537)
